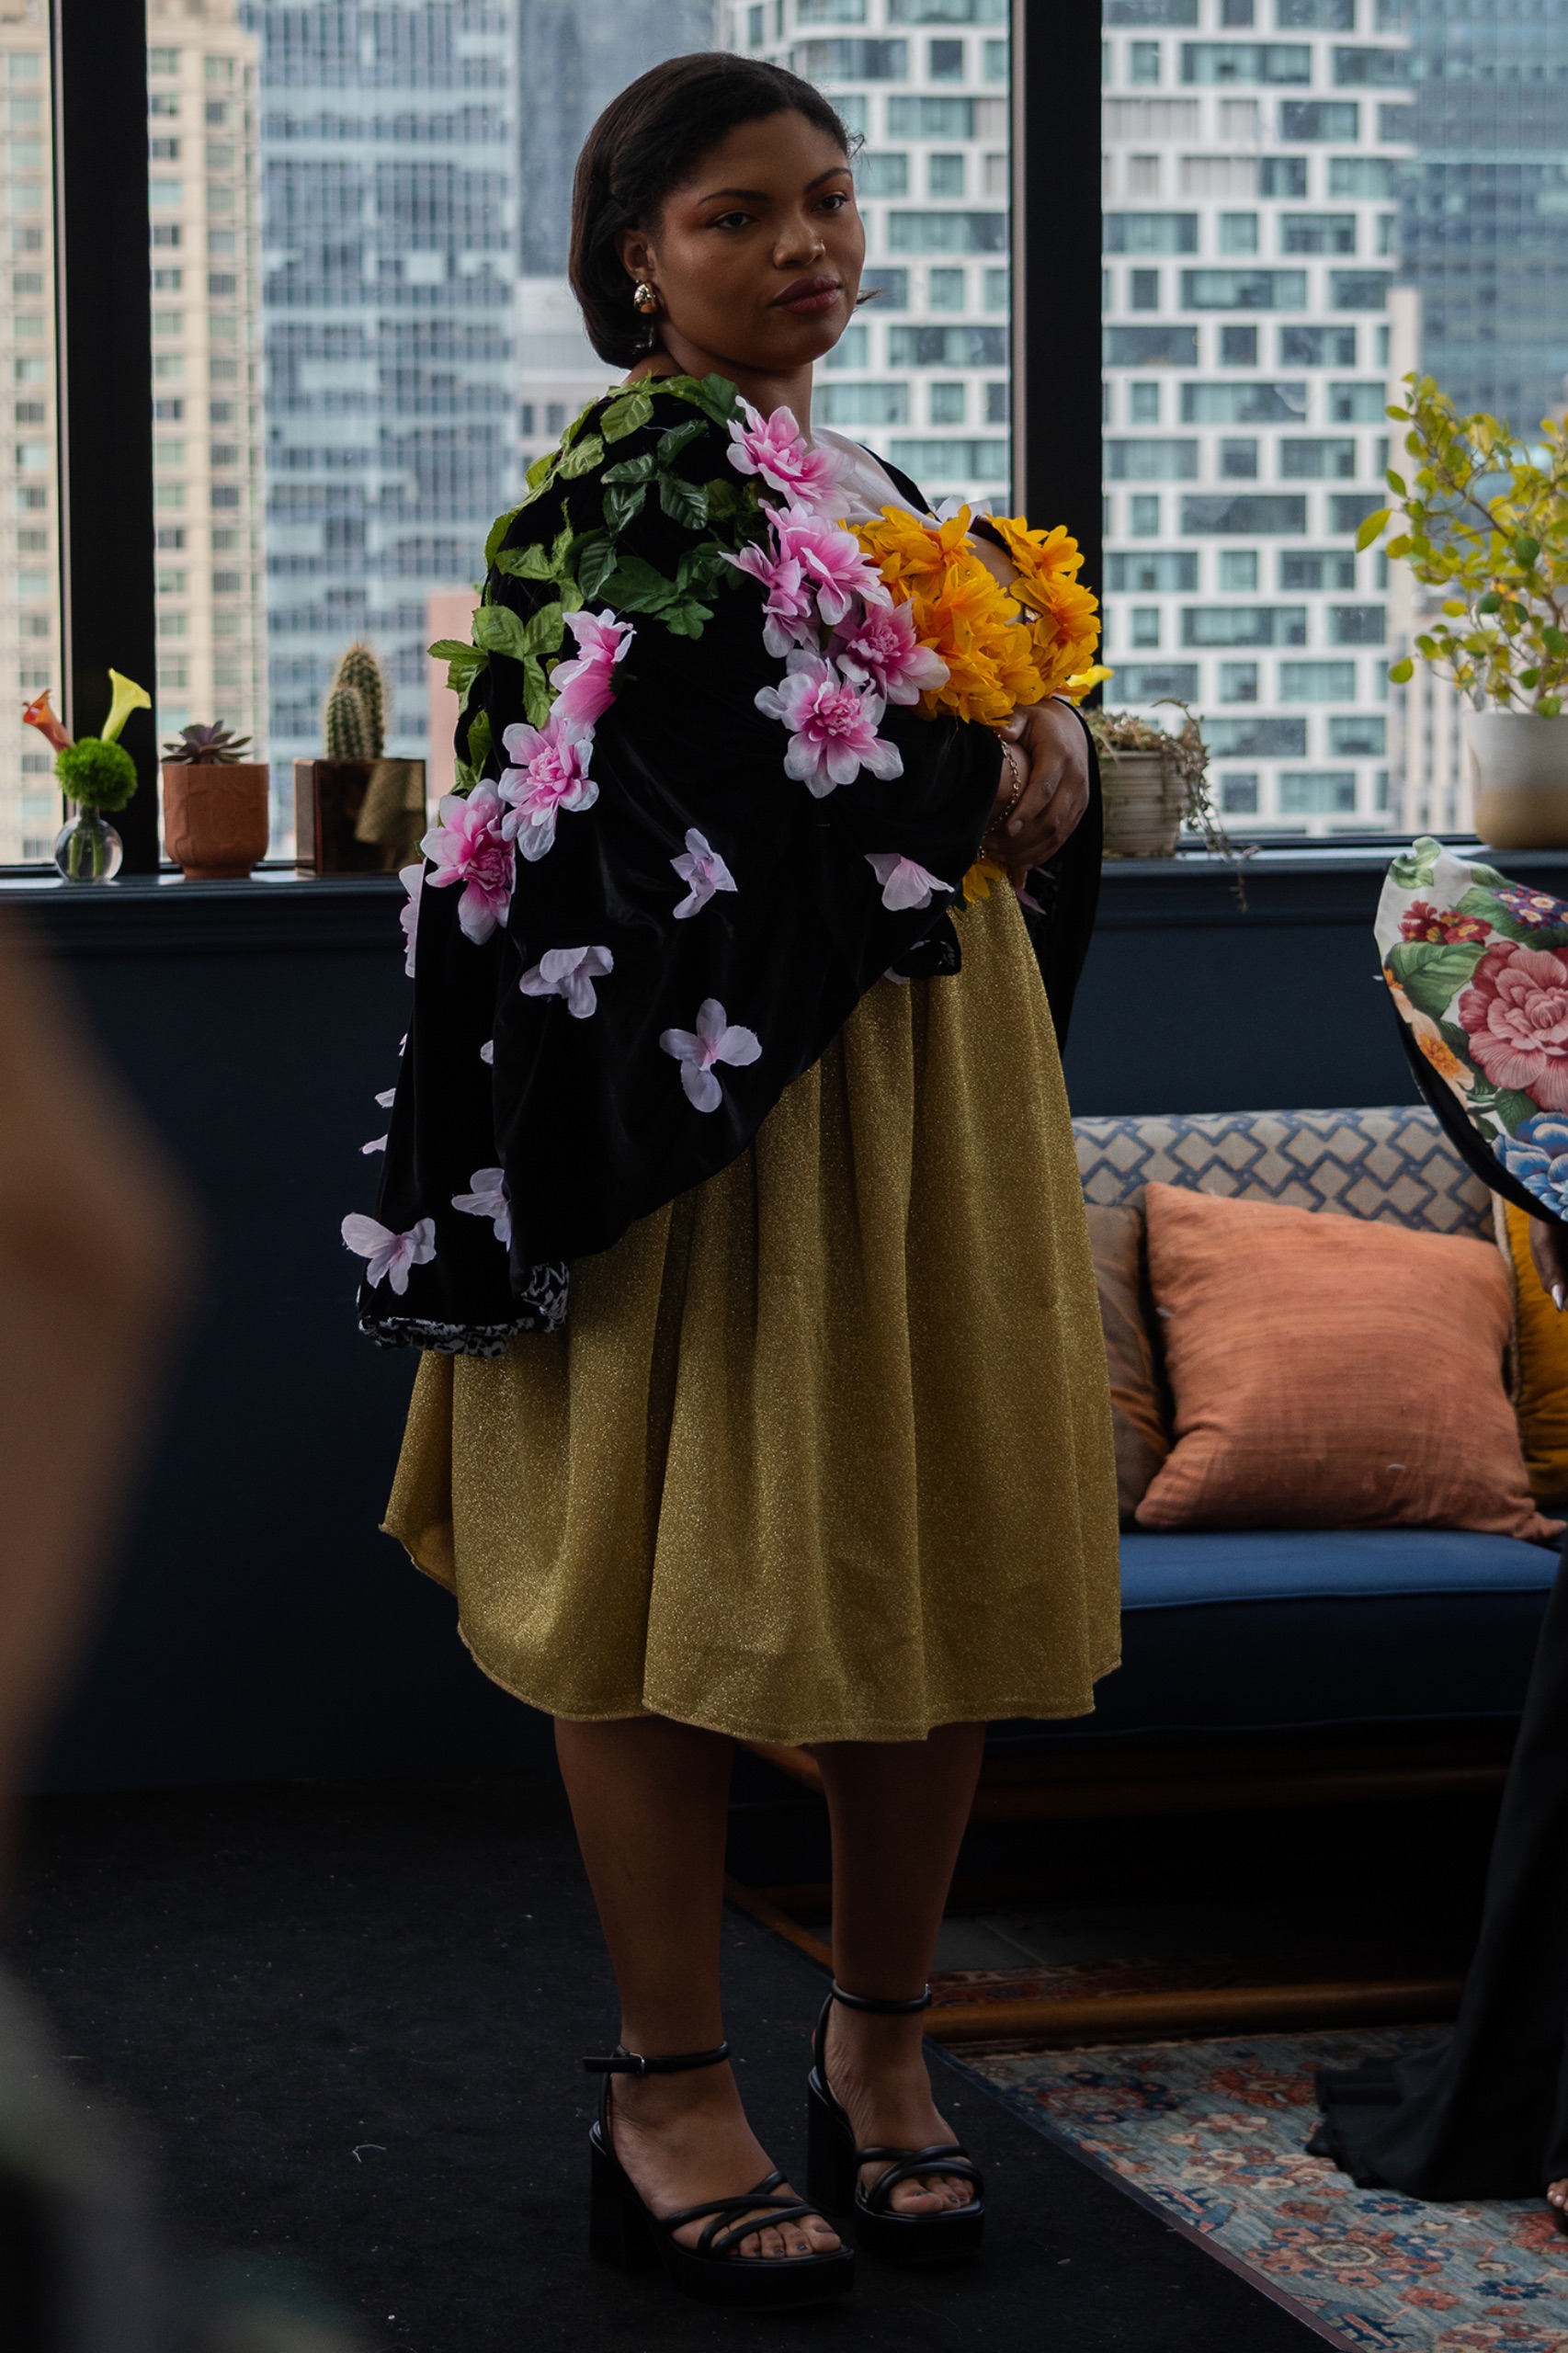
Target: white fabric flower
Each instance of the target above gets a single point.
(488, 1052)
(905, 885)
(387, 1098)
(715, 1040)
(376, 1144)
(412, 881)
(704, 870)
(569, 972)
(391, 1255)
(488, 1198)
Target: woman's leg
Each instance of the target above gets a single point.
(898, 1810)
(650, 1800)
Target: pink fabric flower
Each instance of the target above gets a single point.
(488, 1052)
(704, 870)
(412, 881)
(880, 650)
(469, 846)
(832, 724)
(775, 447)
(585, 687)
(552, 776)
(788, 618)
(832, 563)
(905, 885)
(391, 1255)
(376, 1144)
(715, 1040)
(1516, 1010)
(569, 972)
(488, 1198)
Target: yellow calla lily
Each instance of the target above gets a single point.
(128, 697)
(1079, 685)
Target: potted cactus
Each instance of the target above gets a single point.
(215, 805)
(355, 811)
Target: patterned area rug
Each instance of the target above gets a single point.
(1212, 2136)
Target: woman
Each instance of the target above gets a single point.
(1485, 2114)
(821, 1450)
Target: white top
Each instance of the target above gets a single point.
(864, 485)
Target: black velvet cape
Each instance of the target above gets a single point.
(589, 1118)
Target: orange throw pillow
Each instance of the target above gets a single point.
(1330, 1372)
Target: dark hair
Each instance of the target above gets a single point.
(644, 144)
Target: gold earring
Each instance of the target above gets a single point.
(646, 297)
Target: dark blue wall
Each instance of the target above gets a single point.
(262, 1628)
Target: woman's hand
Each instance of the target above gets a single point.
(1044, 748)
(1549, 1250)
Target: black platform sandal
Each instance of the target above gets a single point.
(623, 2231)
(834, 2163)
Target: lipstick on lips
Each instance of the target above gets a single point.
(808, 298)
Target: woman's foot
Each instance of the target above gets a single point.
(684, 2138)
(875, 2066)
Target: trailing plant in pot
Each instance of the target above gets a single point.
(215, 805)
(1156, 784)
(355, 809)
(98, 776)
(1482, 519)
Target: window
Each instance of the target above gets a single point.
(949, 403)
(1308, 568)
(1243, 518)
(947, 290)
(1317, 233)
(947, 61)
(1339, 119)
(1238, 233)
(1143, 290)
(1256, 739)
(1238, 793)
(1150, 347)
(1143, 403)
(939, 346)
(1357, 404)
(946, 174)
(1151, 460)
(1283, 175)
(947, 232)
(1246, 61)
(1238, 347)
(1361, 733)
(1238, 571)
(1358, 624)
(1317, 682)
(851, 350)
(1238, 460)
(1144, 60)
(891, 287)
(1243, 289)
(1308, 793)
(1317, 346)
(1248, 401)
(851, 61)
(1151, 572)
(1146, 629)
(1243, 625)
(1238, 682)
(1359, 289)
(1361, 176)
(1319, 460)
(1151, 233)
(1315, 16)
(883, 175)
(1144, 515)
(1147, 682)
(868, 404)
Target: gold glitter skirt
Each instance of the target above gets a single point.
(825, 1449)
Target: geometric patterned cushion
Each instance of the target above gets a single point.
(1392, 1164)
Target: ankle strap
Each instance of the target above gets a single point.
(880, 2003)
(622, 2062)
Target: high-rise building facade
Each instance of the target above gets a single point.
(922, 375)
(30, 810)
(1253, 156)
(204, 203)
(390, 161)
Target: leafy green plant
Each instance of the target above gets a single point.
(208, 748)
(1485, 517)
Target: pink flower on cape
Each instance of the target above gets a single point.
(488, 1198)
(788, 617)
(1516, 1010)
(391, 1255)
(569, 972)
(701, 868)
(715, 1040)
(584, 686)
(551, 775)
(775, 447)
(832, 724)
(881, 650)
(469, 846)
(412, 881)
(905, 885)
(832, 564)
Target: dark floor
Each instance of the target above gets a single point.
(351, 2017)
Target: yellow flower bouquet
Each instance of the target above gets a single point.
(1002, 646)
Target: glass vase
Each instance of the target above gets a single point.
(87, 849)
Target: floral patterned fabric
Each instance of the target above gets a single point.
(1478, 970)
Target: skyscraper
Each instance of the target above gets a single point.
(29, 504)
(390, 159)
(204, 199)
(922, 376)
(1251, 191)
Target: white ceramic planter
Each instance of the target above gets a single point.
(1143, 805)
(1519, 769)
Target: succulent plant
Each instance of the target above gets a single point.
(356, 734)
(208, 748)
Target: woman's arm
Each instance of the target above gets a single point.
(1048, 756)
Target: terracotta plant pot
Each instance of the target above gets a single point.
(216, 821)
(1520, 767)
(1143, 805)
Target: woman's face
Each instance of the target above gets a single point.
(757, 258)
